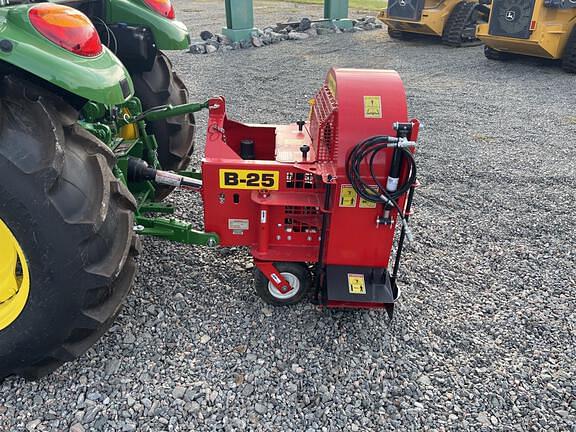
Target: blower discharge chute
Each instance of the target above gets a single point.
(318, 202)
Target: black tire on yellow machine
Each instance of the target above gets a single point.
(569, 57)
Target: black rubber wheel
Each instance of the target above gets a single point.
(175, 136)
(296, 274)
(569, 57)
(399, 34)
(493, 54)
(74, 223)
(460, 28)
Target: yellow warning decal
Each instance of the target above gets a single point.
(332, 85)
(249, 179)
(364, 203)
(348, 196)
(356, 284)
(373, 107)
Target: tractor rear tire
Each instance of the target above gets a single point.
(72, 219)
(493, 54)
(175, 136)
(296, 274)
(569, 57)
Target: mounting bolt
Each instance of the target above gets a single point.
(6, 45)
(300, 124)
(305, 149)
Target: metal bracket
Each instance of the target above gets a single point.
(157, 207)
(274, 276)
(174, 230)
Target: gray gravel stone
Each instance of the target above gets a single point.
(223, 40)
(206, 35)
(212, 46)
(179, 392)
(305, 24)
(198, 48)
(297, 35)
(248, 390)
(324, 31)
(76, 428)
(257, 41)
(246, 43)
(260, 408)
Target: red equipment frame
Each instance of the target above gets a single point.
(288, 197)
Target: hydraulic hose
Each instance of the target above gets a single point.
(377, 192)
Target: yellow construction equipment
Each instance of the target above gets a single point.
(539, 28)
(454, 21)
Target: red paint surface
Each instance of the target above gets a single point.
(292, 228)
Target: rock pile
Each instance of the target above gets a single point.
(210, 43)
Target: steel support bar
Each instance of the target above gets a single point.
(239, 20)
(157, 207)
(167, 111)
(174, 230)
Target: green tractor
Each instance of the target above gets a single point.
(84, 89)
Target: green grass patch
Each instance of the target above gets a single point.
(375, 5)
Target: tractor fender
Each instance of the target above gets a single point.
(168, 34)
(102, 79)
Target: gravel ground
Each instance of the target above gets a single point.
(484, 337)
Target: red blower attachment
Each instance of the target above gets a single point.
(318, 202)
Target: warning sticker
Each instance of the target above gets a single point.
(356, 284)
(364, 203)
(373, 107)
(348, 196)
(238, 224)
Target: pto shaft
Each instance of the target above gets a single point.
(139, 171)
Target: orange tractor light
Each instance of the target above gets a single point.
(67, 28)
(162, 7)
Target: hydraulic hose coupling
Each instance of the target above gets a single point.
(399, 142)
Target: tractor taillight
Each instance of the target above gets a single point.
(162, 7)
(532, 25)
(67, 28)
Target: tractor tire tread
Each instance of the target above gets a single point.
(99, 224)
(175, 136)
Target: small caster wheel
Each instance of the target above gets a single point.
(297, 275)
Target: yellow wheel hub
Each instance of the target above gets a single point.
(14, 278)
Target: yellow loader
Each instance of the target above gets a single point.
(538, 28)
(454, 21)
